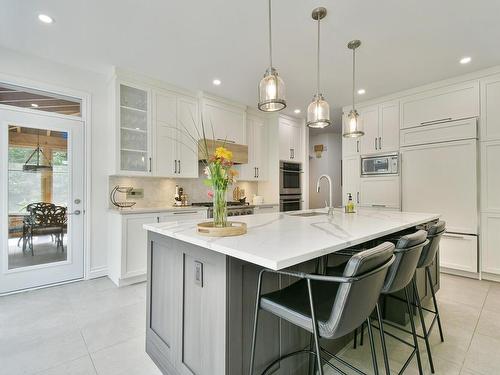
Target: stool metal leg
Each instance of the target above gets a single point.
(372, 346)
(255, 321)
(312, 364)
(355, 339)
(414, 332)
(422, 322)
(382, 340)
(315, 328)
(429, 277)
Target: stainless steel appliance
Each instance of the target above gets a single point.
(233, 208)
(380, 165)
(290, 178)
(290, 202)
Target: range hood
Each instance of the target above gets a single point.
(240, 152)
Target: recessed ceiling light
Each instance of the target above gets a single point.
(216, 82)
(34, 105)
(465, 60)
(361, 91)
(45, 19)
(297, 111)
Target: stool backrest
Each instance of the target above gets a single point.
(429, 251)
(356, 300)
(407, 254)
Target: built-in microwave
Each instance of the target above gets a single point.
(380, 165)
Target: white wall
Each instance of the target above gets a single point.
(20, 68)
(330, 164)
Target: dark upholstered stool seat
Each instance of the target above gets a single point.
(292, 304)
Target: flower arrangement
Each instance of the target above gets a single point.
(220, 175)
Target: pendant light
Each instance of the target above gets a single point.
(318, 112)
(353, 127)
(39, 156)
(271, 87)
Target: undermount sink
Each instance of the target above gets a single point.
(309, 214)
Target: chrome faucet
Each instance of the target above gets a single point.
(330, 207)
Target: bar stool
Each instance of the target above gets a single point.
(328, 306)
(399, 277)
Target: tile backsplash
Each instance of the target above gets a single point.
(159, 192)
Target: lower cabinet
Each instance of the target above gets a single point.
(266, 208)
(490, 240)
(380, 192)
(459, 252)
(127, 242)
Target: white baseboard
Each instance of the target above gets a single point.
(450, 271)
(490, 276)
(97, 272)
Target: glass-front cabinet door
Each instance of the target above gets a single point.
(134, 130)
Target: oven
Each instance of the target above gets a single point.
(290, 203)
(290, 178)
(380, 165)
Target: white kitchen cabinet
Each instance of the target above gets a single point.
(175, 122)
(458, 252)
(256, 168)
(388, 127)
(127, 242)
(447, 103)
(133, 115)
(369, 118)
(290, 142)
(490, 176)
(266, 208)
(380, 192)
(226, 119)
(490, 240)
(490, 108)
(351, 178)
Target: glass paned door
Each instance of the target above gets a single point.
(41, 169)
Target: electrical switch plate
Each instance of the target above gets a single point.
(198, 273)
(135, 193)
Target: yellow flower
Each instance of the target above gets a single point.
(223, 153)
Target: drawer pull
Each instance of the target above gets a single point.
(185, 212)
(457, 236)
(226, 140)
(436, 121)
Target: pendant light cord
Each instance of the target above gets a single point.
(317, 63)
(270, 38)
(353, 75)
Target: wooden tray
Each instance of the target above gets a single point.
(234, 228)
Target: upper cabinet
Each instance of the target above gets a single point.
(133, 109)
(256, 168)
(224, 120)
(439, 105)
(350, 146)
(176, 127)
(388, 130)
(368, 116)
(290, 134)
(490, 108)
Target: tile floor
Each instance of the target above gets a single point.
(94, 328)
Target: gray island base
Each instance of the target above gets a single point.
(201, 291)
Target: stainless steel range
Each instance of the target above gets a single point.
(233, 208)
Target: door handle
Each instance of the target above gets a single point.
(435, 121)
(175, 166)
(375, 143)
(150, 164)
(380, 143)
(76, 212)
(357, 146)
(226, 140)
(179, 167)
(257, 172)
(357, 197)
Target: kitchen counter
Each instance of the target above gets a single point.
(280, 240)
(201, 290)
(147, 210)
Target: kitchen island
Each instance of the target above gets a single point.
(201, 290)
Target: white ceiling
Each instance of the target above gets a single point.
(190, 42)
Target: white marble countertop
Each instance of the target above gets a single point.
(148, 210)
(280, 240)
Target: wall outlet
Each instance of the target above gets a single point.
(135, 193)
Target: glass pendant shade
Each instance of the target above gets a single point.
(353, 128)
(271, 92)
(318, 113)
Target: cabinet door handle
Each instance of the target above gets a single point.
(357, 146)
(257, 172)
(175, 166)
(434, 121)
(149, 164)
(157, 219)
(357, 197)
(379, 205)
(380, 143)
(185, 212)
(376, 143)
(457, 236)
(179, 171)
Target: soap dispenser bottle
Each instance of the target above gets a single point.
(349, 208)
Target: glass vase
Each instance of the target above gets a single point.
(220, 208)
